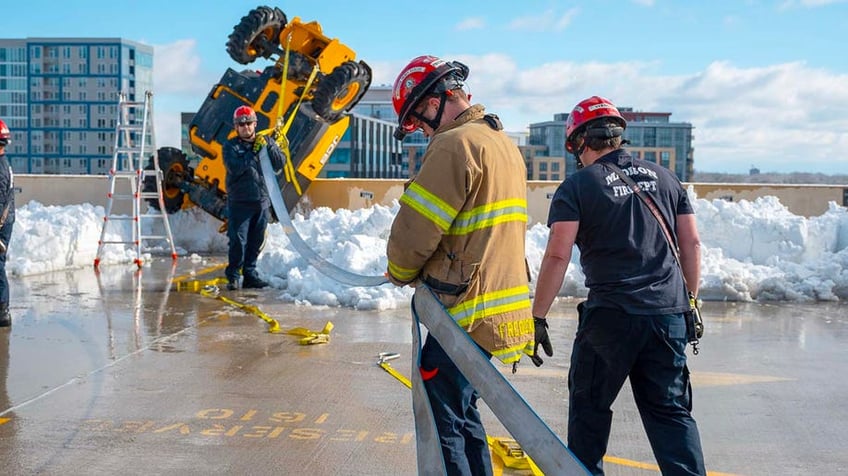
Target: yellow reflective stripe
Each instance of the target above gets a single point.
(489, 215)
(511, 354)
(401, 273)
(429, 205)
(490, 304)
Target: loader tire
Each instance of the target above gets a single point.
(174, 166)
(257, 34)
(340, 90)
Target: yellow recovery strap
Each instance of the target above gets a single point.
(213, 292)
(209, 288)
(281, 128)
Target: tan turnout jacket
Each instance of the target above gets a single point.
(462, 222)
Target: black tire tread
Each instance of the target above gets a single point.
(168, 157)
(336, 84)
(244, 34)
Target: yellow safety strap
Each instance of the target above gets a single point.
(213, 292)
(285, 77)
(507, 449)
(189, 282)
(383, 359)
(282, 127)
(209, 288)
(312, 337)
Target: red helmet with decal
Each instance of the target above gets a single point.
(587, 111)
(423, 76)
(244, 115)
(5, 134)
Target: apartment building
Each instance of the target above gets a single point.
(652, 135)
(59, 96)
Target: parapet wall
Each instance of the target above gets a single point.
(804, 200)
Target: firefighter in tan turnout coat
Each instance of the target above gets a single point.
(460, 230)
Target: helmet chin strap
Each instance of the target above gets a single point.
(578, 152)
(437, 120)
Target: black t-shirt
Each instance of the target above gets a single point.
(624, 254)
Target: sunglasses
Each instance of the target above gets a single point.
(412, 122)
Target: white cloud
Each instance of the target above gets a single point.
(180, 85)
(385, 72)
(473, 23)
(785, 117)
(176, 68)
(549, 20)
(644, 3)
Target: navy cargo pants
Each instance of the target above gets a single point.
(454, 403)
(610, 346)
(246, 226)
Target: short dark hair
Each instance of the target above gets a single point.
(604, 140)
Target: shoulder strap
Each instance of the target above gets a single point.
(494, 121)
(649, 202)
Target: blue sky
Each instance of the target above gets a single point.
(764, 83)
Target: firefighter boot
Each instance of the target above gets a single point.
(255, 282)
(5, 317)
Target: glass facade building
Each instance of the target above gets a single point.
(405, 156)
(59, 96)
(652, 135)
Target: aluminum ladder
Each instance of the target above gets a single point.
(134, 141)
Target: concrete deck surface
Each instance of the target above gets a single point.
(118, 373)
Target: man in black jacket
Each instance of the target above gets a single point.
(248, 203)
(7, 220)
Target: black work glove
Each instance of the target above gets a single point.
(541, 328)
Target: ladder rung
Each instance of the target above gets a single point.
(155, 237)
(150, 215)
(110, 242)
(149, 195)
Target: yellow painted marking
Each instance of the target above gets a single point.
(4, 420)
(650, 466)
(717, 379)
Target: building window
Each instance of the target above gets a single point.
(665, 158)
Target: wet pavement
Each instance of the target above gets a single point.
(119, 373)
